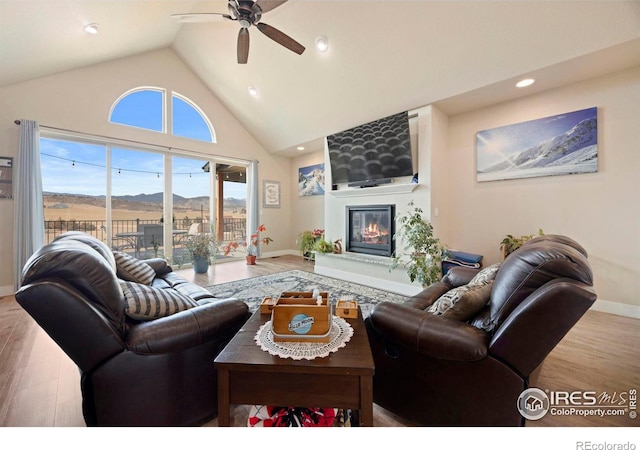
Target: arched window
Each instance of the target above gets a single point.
(145, 107)
(187, 120)
(141, 108)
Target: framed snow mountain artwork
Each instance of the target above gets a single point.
(557, 145)
(311, 180)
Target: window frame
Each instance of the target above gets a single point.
(166, 113)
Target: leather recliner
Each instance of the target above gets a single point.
(433, 370)
(133, 373)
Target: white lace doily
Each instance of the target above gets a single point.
(341, 333)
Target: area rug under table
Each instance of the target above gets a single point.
(253, 290)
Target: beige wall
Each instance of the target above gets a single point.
(599, 210)
(307, 212)
(80, 100)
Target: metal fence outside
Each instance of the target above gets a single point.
(233, 228)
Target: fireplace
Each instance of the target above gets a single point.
(370, 229)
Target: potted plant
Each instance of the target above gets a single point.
(510, 243)
(250, 246)
(422, 252)
(201, 248)
(307, 242)
(324, 246)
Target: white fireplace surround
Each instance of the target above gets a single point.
(368, 270)
(373, 270)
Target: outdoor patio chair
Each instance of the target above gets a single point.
(152, 237)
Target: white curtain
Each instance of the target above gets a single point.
(28, 222)
(254, 204)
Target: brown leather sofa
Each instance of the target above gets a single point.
(436, 370)
(156, 372)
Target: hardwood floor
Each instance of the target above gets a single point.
(39, 384)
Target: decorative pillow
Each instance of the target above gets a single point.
(486, 275)
(462, 303)
(131, 269)
(147, 303)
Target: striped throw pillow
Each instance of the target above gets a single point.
(148, 303)
(131, 269)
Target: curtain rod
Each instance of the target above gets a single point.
(64, 130)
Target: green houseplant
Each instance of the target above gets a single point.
(324, 246)
(511, 243)
(250, 245)
(201, 248)
(307, 241)
(421, 253)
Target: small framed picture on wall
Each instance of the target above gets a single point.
(6, 177)
(271, 194)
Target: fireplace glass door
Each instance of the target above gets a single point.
(370, 229)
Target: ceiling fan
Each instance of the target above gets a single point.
(246, 13)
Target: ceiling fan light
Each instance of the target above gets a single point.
(322, 44)
(91, 28)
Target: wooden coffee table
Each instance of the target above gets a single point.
(248, 375)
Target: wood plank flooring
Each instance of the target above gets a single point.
(40, 387)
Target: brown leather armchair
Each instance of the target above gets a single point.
(133, 373)
(433, 370)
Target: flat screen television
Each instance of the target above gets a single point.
(373, 153)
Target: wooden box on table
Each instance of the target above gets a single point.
(298, 317)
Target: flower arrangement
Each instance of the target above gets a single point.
(307, 241)
(251, 245)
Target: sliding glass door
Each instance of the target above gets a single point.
(137, 202)
(192, 203)
(74, 188)
(126, 198)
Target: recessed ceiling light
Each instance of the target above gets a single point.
(526, 82)
(91, 28)
(253, 91)
(322, 44)
(300, 147)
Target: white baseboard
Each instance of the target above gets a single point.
(620, 309)
(6, 290)
(279, 253)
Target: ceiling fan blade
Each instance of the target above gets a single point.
(243, 46)
(201, 17)
(280, 38)
(233, 5)
(268, 5)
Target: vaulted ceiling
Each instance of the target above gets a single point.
(384, 56)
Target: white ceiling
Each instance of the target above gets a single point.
(384, 56)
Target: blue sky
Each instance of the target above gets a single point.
(80, 168)
(497, 144)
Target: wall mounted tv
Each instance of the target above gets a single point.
(373, 153)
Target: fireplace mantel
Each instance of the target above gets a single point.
(403, 188)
